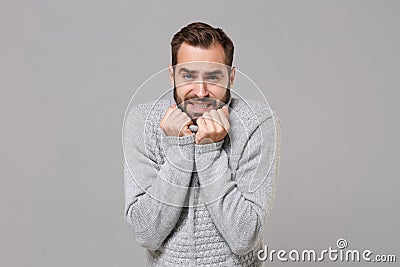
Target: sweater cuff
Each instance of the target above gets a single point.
(175, 140)
(214, 175)
(200, 149)
(179, 151)
(211, 161)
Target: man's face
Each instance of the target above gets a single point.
(201, 79)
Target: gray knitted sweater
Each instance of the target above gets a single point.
(200, 205)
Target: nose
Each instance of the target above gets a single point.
(200, 89)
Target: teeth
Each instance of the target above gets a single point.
(200, 106)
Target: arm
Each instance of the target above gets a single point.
(154, 195)
(240, 201)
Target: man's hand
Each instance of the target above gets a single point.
(213, 126)
(176, 122)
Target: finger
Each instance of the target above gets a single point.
(204, 134)
(206, 118)
(201, 123)
(183, 120)
(224, 119)
(226, 111)
(175, 115)
(217, 123)
(167, 114)
(188, 121)
(187, 132)
(215, 116)
(179, 117)
(201, 129)
(172, 123)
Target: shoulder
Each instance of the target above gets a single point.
(250, 114)
(150, 112)
(141, 130)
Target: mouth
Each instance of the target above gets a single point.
(200, 106)
(195, 107)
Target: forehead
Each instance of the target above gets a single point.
(202, 67)
(187, 53)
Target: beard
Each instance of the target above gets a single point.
(194, 107)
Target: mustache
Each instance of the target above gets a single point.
(194, 99)
(198, 99)
(205, 100)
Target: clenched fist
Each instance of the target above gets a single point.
(176, 122)
(213, 126)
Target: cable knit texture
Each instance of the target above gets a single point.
(201, 205)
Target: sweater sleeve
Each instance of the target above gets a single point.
(239, 201)
(154, 195)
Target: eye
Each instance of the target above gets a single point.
(213, 78)
(188, 76)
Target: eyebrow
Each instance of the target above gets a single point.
(214, 72)
(188, 71)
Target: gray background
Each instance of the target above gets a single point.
(69, 68)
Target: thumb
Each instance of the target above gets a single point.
(225, 110)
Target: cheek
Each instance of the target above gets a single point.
(183, 90)
(218, 93)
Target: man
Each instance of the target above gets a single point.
(200, 174)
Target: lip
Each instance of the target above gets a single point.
(200, 106)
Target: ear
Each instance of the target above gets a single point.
(232, 76)
(171, 74)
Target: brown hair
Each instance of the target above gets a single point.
(202, 35)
